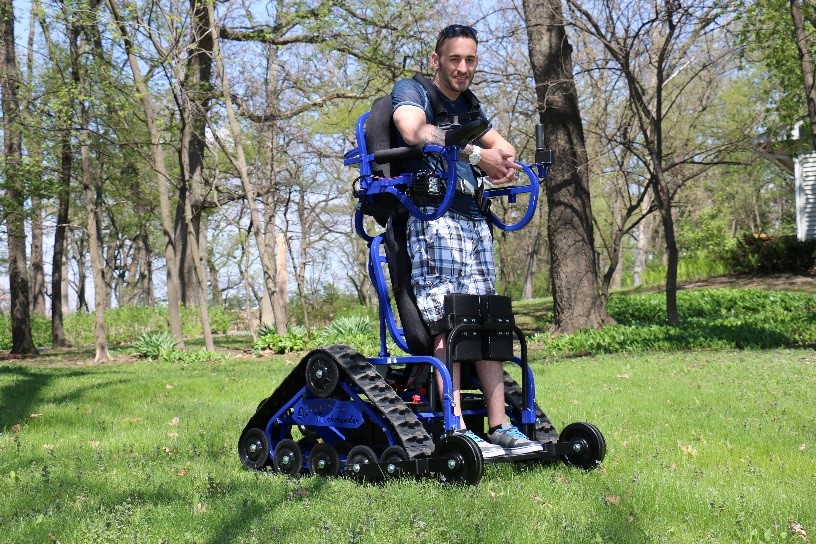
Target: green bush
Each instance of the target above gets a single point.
(155, 345)
(295, 339)
(709, 319)
(772, 255)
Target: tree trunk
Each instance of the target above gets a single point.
(22, 340)
(644, 242)
(58, 339)
(78, 241)
(215, 287)
(196, 100)
(37, 266)
(807, 64)
(90, 190)
(576, 298)
(664, 205)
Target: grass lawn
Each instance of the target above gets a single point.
(709, 446)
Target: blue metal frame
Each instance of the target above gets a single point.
(370, 186)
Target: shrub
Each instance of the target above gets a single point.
(155, 345)
(709, 319)
(772, 255)
(295, 339)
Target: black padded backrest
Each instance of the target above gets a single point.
(381, 133)
(417, 335)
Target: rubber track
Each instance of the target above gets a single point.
(408, 429)
(545, 431)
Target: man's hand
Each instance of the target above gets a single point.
(499, 165)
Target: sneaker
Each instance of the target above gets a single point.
(489, 450)
(513, 441)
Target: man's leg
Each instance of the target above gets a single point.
(440, 344)
(488, 450)
(501, 432)
(491, 377)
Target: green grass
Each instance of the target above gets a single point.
(709, 446)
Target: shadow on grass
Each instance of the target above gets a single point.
(243, 518)
(19, 398)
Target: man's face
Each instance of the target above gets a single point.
(455, 65)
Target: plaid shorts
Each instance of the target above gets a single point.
(453, 254)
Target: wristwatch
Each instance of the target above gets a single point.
(475, 156)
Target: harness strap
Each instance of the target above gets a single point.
(441, 114)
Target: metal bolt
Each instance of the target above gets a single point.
(253, 448)
(576, 447)
(356, 467)
(285, 460)
(319, 374)
(451, 464)
(321, 463)
(391, 468)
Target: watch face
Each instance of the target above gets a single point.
(475, 157)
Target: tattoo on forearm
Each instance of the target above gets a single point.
(435, 137)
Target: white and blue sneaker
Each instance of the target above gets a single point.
(512, 441)
(489, 450)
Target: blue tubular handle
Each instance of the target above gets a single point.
(512, 192)
(450, 155)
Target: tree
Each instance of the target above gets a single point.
(650, 45)
(801, 31)
(162, 178)
(15, 195)
(78, 29)
(576, 299)
(777, 34)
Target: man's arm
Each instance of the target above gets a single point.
(414, 127)
(498, 156)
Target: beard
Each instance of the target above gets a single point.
(456, 82)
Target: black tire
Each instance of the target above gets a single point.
(360, 455)
(322, 375)
(463, 461)
(588, 442)
(393, 454)
(253, 449)
(324, 460)
(288, 457)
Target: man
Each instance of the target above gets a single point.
(454, 254)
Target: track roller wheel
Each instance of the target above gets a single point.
(253, 449)
(463, 461)
(324, 460)
(322, 375)
(288, 457)
(357, 456)
(588, 445)
(393, 454)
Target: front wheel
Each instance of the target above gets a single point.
(462, 458)
(253, 449)
(587, 444)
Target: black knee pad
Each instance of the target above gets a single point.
(464, 310)
(497, 310)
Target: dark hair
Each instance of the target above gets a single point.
(455, 31)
